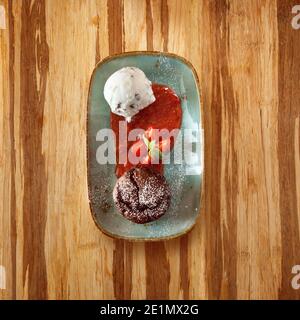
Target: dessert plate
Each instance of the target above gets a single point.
(185, 179)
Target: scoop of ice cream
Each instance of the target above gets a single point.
(127, 91)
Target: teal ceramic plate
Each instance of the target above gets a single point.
(185, 179)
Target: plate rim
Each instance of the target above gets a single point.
(201, 122)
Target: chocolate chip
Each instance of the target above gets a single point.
(132, 106)
(137, 96)
(119, 106)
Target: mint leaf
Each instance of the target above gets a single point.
(151, 144)
(146, 141)
(155, 153)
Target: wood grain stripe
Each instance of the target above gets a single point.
(34, 61)
(165, 23)
(230, 184)
(122, 269)
(149, 23)
(118, 269)
(157, 270)
(214, 267)
(289, 111)
(96, 22)
(184, 266)
(13, 212)
(122, 256)
(115, 12)
(138, 271)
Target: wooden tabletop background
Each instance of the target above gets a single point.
(246, 241)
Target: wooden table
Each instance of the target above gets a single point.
(247, 239)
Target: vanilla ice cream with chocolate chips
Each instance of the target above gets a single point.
(127, 91)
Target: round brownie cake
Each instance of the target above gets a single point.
(142, 195)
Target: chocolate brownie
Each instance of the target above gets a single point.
(142, 195)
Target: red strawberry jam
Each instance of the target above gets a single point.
(164, 113)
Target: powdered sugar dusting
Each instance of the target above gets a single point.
(142, 195)
(164, 67)
(100, 196)
(176, 176)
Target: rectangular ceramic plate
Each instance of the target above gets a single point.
(185, 179)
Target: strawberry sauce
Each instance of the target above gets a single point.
(164, 113)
